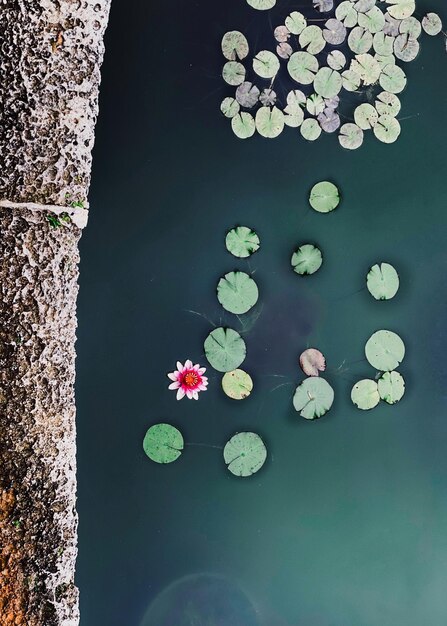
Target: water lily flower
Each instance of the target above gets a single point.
(189, 380)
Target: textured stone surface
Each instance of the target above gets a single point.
(50, 56)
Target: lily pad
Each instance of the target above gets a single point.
(262, 5)
(391, 387)
(382, 281)
(315, 104)
(347, 13)
(311, 38)
(351, 80)
(406, 48)
(294, 115)
(411, 26)
(351, 136)
(388, 104)
(336, 60)
(383, 61)
(243, 125)
(234, 46)
(296, 97)
(313, 398)
(387, 129)
(373, 20)
(365, 394)
(237, 292)
(432, 24)
(229, 107)
(237, 384)
(281, 33)
(360, 40)
(310, 129)
(242, 242)
(327, 82)
(334, 32)
(366, 116)
(233, 73)
(312, 362)
(296, 22)
(269, 122)
(393, 79)
(329, 121)
(306, 260)
(323, 6)
(245, 454)
(303, 67)
(366, 66)
(324, 197)
(225, 349)
(362, 6)
(284, 50)
(391, 26)
(163, 443)
(385, 350)
(247, 95)
(266, 64)
(267, 97)
(400, 9)
(383, 44)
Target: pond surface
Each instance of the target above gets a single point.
(346, 523)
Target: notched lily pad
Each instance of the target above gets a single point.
(351, 136)
(303, 67)
(310, 129)
(266, 64)
(296, 22)
(163, 443)
(262, 5)
(382, 281)
(313, 398)
(237, 384)
(269, 122)
(243, 125)
(366, 116)
(387, 129)
(237, 292)
(233, 73)
(324, 197)
(385, 350)
(225, 349)
(247, 95)
(432, 24)
(242, 242)
(229, 107)
(365, 394)
(306, 260)
(391, 387)
(234, 46)
(312, 362)
(245, 454)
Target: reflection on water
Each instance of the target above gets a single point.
(201, 600)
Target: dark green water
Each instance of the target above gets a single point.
(346, 523)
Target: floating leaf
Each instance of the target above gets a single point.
(310, 129)
(411, 26)
(312, 39)
(329, 121)
(383, 44)
(266, 64)
(284, 50)
(242, 242)
(163, 443)
(366, 116)
(432, 24)
(234, 46)
(296, 97)
(296, 22)
(245, 454)
(385, 350)
(332, 103)
(313, 398)
(237, 292)
(366, 66)
(373, 20)
(324, 197)
(351, 136)
(262, 5)
(346, 13)
(281, 33)
(387, 129)
(383, 61)
(229, 107)
(391, 26)
(233, 73)
(327, 82)
(336, 60)
(393, 79)
(382, 281)
(323, 6)
(387, 104)
(267, 97)
(334, 32)
(360, 40)
(401, 9)
(269, 122)
(351, 80)
(365, 394)
(315, 104)
(406, 48)
(237, 384)
(391, 387)
(294, 115)
(247, 95)
(225, 349)
(312, 362)
(303, 67)
(362, 6)
(243, 125)
(306, 260)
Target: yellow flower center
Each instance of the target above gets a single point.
(190, 379)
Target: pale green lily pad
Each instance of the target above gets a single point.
(382, 281)
(294, 115)
(327, 83)
(351, 80)
(385, 350)
(310, 129)
(391, 387)
(400, 9)
(387, 129)
(296, 22)
(163, 443)
(406, 48)
(411, 26)
(269, 122)
(234, 46)
(432, 24)
(313, 398)
(336, 60)
(383, 44)
(311, 38)
(315, 104)
(383, 61)
(351, 136)
(302, 67)
(243, 125)
(230, 107)
(366, 116)
(237, 292)
(266, 64)
(324, 197)
(237, 384)
(367, 67)
(365, 394)
(242, 242)
(225, 349)
(373, 20)
(233, 73)
(360, 40)
(262, 5)
(306, 260)
(393, 79)
(245, 454)
(346, 13)
(388, 104)
(362, 6)
(296, 97)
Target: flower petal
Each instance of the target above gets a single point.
(188, 364)
(175, 385)
(202, 370)
(202, 387)
(189, 393)
(173, 375)
(180, 393)
(195, 395)
(180, 366)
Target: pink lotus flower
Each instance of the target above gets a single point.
(188, 380)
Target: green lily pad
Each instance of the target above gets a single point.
(233, 73)
(367, 67)
(306, 260)
(302, 67)
(237, 292)
(312, 40)
(310, 129)
(296, 23)
(269, 122)
(237, 384)
(432, 24)
(242, 242)
(373, 20)
(262, 5)
(266, 64)
(411, 26)
(225, 349)
(383, 44)
(365, 116)
(324, 197)
(245, 454)
(365, 394)
(351, 80)
(387, 129)
(400, 9)
(388, 104)
(230, 107)
(391, 387)
(163, 443)
(347, 13)
(351, 136)
(406, 48)
(336, 60)
(385, 350)
(313, 398)
(315, 104)
(382, 281)
(234, 46)
(243, 125)
(393, 79)
(327, 82)
(360, 40)
(294, 115)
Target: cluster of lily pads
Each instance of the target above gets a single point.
(356, 50)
